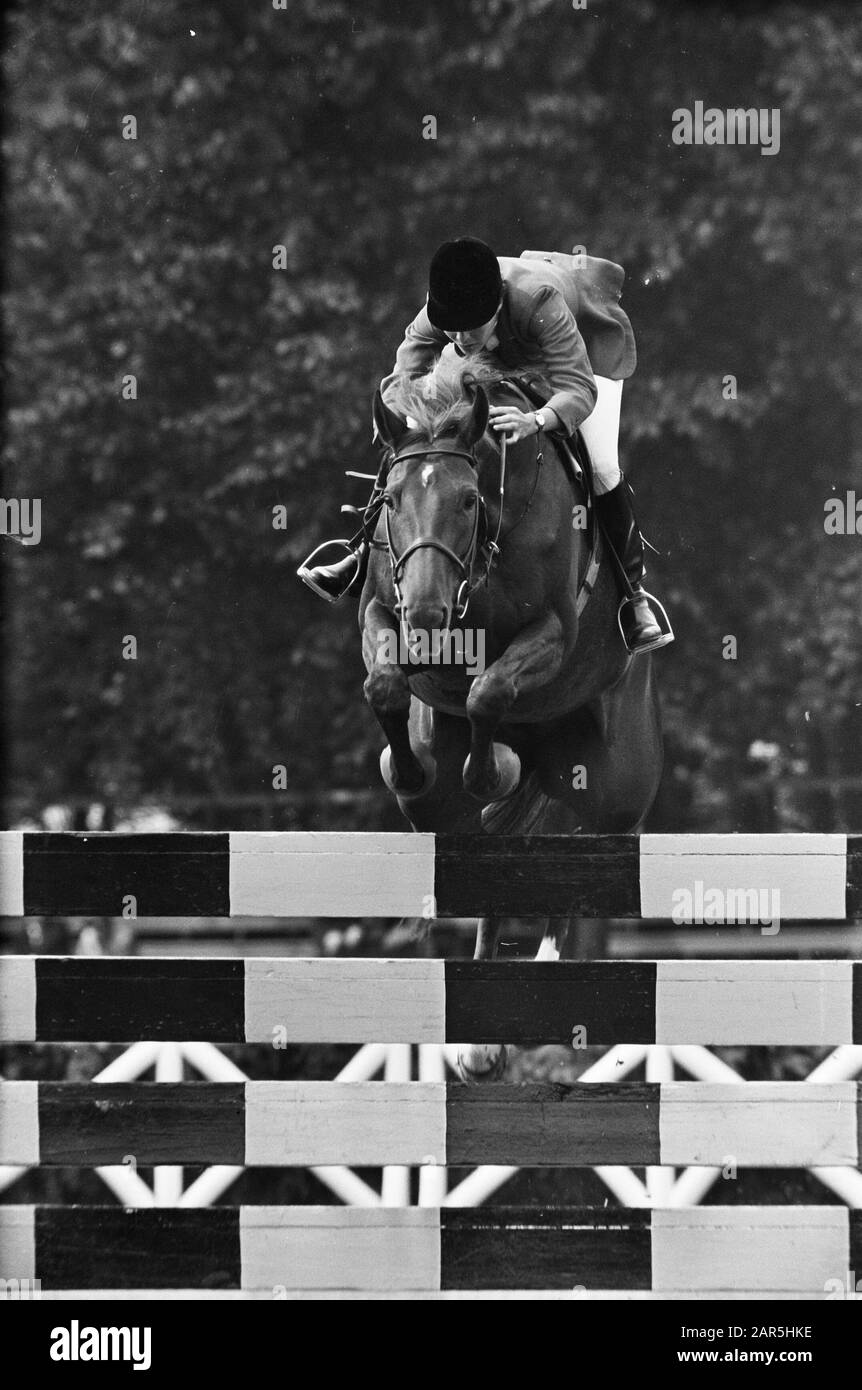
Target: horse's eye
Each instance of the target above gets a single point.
(388, 500)
(469, 502)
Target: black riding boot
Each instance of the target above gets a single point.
(615, 511)
(333, 581)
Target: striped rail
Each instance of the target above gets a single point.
(292, 1000)
(307, 1123)
(249, 874)
(319, 1252)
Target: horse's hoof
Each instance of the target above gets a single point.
(482, 1062)
(429, 774)
(508, 776)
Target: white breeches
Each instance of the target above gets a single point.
(601, 434)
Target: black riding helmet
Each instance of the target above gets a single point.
(464, 285)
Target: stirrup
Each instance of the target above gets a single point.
(305, 574)
(667, 635)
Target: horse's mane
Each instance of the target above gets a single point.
(439, 402)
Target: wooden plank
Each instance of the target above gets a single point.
(19, 1122)
(760, 1124)
(758, 1003)
(807, 872)
(756, 1247)
(546, 1125)
(284, 1000)
(148, 1121)
(276, 874)
(353, 1001)
(525, 1002)
(548, 875)
(11, 873)
(315, 1248)
(177, 874)
(310, 1123)
(364, 1124)
(17, 1242)
(127, 999)
(18, 998)
(815, 877)
(854, 877)
(91, 1247)
(491, 1247)
(720, 1251)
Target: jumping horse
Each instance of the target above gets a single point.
(559, 731)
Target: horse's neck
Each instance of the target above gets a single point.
(532, 488)
(526, 479)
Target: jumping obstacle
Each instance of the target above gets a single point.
(435, 1251)
(236, 874)
(311, 1123)
(121, 999)
(704, 1252)
(257, 1252)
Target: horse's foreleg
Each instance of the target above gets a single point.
(492, 771)
(487, 938)
(553, 943)
(484, 1061)
(388, 693)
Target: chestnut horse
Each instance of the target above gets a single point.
(552, 727)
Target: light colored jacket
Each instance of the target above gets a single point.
(560, 321)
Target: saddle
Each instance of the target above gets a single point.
(574, 454)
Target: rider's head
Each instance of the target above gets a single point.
(465, 291)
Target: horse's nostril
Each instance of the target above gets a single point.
(427, 618)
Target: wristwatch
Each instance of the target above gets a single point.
(539, 417)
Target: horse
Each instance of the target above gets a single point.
(557, 729)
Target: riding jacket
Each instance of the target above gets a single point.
(560, 320)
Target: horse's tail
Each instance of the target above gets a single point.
(522, 813)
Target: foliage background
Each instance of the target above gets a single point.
(303, 127)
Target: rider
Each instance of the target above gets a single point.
(531, 312)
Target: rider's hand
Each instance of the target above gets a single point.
(519, 423)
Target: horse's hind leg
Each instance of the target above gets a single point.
(487, 938)
(487, 1061)
(553, 943)
(484, 1061)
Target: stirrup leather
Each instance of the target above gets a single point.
(667, 634)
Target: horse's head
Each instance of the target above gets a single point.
(432, 511)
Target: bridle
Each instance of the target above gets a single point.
(464, 564)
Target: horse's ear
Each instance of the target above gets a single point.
(389, 428)
(477, 423)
